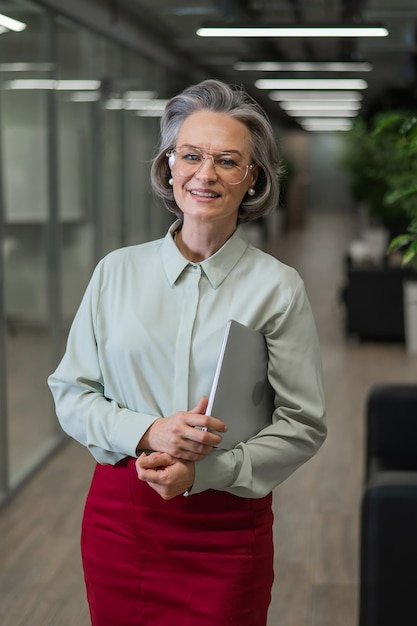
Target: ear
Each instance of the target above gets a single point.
(171, 161)
(254, 175)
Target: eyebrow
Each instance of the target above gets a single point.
(233, 151)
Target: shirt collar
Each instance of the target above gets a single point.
(216, 267)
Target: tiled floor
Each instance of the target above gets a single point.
(316, 510)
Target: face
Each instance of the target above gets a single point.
(204, 195)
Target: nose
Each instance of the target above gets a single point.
(205, 171)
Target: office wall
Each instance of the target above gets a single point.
(329, 188)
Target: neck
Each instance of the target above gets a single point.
(198, 246)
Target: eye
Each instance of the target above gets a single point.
(191, 156)
(226, 162)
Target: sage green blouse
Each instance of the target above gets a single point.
(145, 342)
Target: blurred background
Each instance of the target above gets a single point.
(82, 87)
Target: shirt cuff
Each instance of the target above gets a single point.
(129, 430)
(215, 471)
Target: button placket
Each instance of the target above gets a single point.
(184, 337)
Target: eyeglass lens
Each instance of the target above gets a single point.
(188, 161)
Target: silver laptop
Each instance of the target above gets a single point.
(241, 395)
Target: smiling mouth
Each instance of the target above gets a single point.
(204, 194)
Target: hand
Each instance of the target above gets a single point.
(169, 477)
(178, 436)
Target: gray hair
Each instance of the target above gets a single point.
(217, 96)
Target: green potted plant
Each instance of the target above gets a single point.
(401, 179)
(402, 182)
(381, 157)
(361, 158)
(398, 132)
(407, 242)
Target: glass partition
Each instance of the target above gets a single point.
(32, 429)
(145, 217)
(76, 56)
(76, 153)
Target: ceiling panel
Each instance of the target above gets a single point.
(392, 81)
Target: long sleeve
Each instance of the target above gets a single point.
(254, 468)
(108, 429)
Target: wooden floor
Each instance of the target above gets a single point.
(316, 510)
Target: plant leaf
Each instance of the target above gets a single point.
(410, 253)
(399, 242)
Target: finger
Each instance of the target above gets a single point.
(151, 475)
(154, 474)
(206, 423)
(201, 441)
(154, 460)
(215, 424)
(197, 437)
(201, 406)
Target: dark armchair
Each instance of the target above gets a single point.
(388, 550)
(373, 299)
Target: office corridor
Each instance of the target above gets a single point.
(316, 510)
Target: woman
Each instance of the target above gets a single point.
(139, 364)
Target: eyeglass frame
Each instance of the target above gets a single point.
(173, 152)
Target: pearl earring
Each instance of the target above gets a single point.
(251, 191)
(171, 181)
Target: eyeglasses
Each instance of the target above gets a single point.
(188, 160)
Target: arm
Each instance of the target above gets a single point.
(254, 468)
(111, 431)
(108, 430)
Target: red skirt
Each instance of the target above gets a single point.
(204, 560)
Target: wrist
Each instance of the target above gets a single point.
(145, 443)
(188, 491)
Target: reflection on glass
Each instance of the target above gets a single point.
(32, 431)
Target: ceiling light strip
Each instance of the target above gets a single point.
(320, 114)
(331, 125)
(11, 24)
(46, 83)
(311, 83)
(320, 105)
(328, 95)
(301, 66)
(293, 31)
(26, 67)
